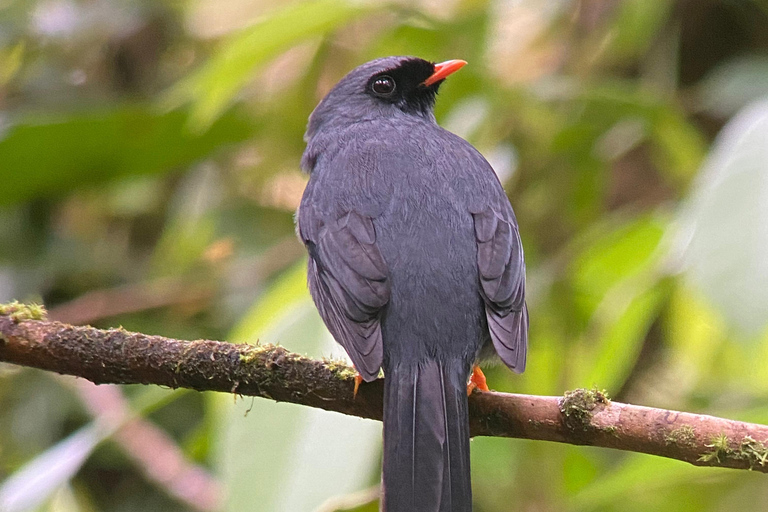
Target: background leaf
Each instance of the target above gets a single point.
(291, 447)
(214, 86)
(725, 222)
(44, 155)
(39, 479)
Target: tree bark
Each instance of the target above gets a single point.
(582, 417)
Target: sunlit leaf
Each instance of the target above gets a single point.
(10, 62)
(612, 253)
(679, 147)
(366, 500)
(64, 500)
(621, 327)
(618, 287)
(695, 333)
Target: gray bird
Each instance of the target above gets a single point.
(415, 265)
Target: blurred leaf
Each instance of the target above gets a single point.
(695, 334)
(370, 507)
(64, 500)
(191, 226)
(10, 62)
(579, 468)
(611, 254)
(544, 375)
(366, 500)
(276, 449)
(148, 399)
(289, 291)
(733, 84)
(40, 479)
(616, 282)
(678, 144)
(214, 85)
(620, 339)
(719, 370)
(42, 157)
(640, 476)
(724, 227)
(636, 25)
(495, 463)
(37, 480)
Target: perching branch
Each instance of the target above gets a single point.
(581, 417)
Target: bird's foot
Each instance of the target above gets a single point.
(358, 380)
(477, 381)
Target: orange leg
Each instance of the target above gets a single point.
(358, 380)
(477, 381)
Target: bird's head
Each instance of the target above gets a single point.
(382, 88)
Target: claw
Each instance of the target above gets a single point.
(358, 380)
(477, 381)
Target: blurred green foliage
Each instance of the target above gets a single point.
(148, 176)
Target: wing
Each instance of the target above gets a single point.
(501, 269)
(348, 280)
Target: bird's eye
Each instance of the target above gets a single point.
(383, 86)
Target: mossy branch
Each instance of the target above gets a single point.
(582, 417)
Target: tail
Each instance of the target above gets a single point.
(426, 438)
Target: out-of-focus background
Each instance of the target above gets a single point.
(149, 170)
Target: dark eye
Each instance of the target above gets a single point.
(383, 85)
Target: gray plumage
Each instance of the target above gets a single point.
(415, 266)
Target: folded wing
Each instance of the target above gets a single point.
(501, 270)
(348, 280)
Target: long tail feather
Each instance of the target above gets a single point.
(426, 438)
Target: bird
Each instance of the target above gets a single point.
(415, 265)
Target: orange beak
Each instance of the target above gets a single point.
(442, 70)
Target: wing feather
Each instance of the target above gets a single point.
(501, 270)
(348, 280)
